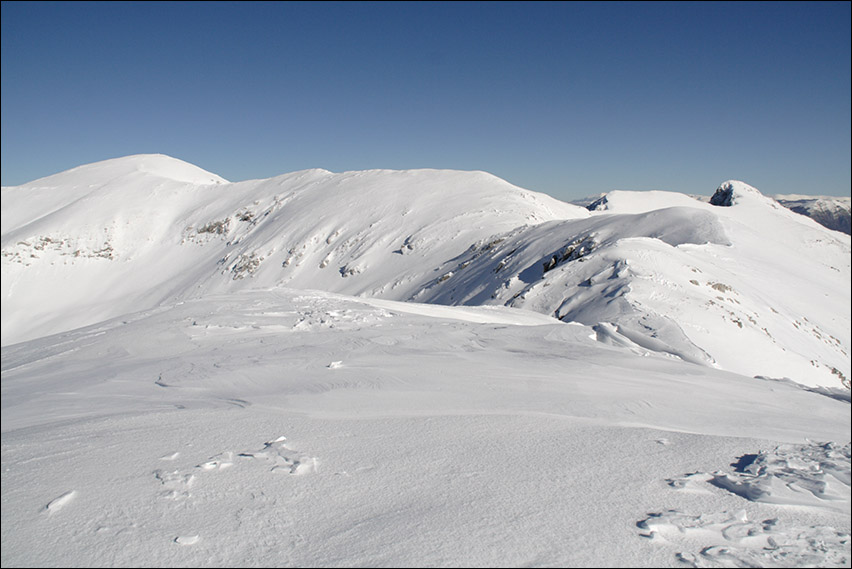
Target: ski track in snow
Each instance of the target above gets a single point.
(813, 475)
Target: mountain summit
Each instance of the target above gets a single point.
(151, 165)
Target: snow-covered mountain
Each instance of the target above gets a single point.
(421, 368)
(131, 233)
(739, 287)
(741, 284)
(832, 212)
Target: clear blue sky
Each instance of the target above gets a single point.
(571, 99)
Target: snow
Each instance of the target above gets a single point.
(162, 407)
(754, 288)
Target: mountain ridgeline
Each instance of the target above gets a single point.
(741, 283)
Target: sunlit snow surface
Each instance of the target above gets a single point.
(257, 423)
(216, 432)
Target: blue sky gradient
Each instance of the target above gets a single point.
(571, 99)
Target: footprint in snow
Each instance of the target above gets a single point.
(176, 483)
(275, 455)
(219, 462)
(281, 458)
(695, 482)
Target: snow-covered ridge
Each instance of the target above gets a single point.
(707, 284)
(653, 272)
(168, 239)
(829, 211)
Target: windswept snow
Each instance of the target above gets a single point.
(417, 368)
(219, 425)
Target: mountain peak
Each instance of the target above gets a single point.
(733, 191)
(164, 166)
(158, 165)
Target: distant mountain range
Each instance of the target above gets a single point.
(740, 283)
(832, 212)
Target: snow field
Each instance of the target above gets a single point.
(215, 433)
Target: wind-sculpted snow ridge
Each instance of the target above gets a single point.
(731, 539)
(814, 475)
(583, 276)
(747, 286)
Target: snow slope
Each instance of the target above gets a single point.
(829, 211)
(289, 428)
(751, 287)
(128, 234)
